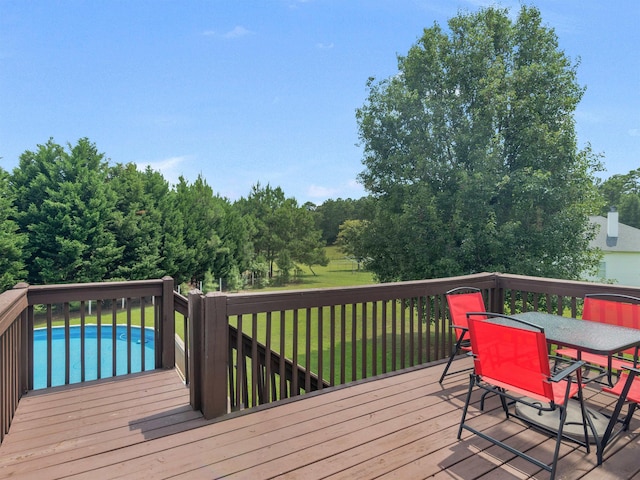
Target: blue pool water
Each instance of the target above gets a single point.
(91, 347)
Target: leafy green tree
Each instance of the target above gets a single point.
(623, 193)
(280, 231)
(214, 234)
(137, 225)
(11, 242)
(470, 153)
(332, 213)
(66, 207)
(201, 213)
(173, 254)
(351, 239)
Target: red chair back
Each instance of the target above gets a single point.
(614, 310)
(462, 303)
(510, 357)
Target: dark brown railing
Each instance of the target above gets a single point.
(244, 350)
(25, 308)
(338, 335)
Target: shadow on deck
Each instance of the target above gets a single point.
(396, 426)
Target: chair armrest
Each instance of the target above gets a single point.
(565, 372)
(632, 369)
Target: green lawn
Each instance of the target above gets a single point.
(341, 272)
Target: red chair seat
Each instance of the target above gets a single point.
(595, 359)
(634, 391)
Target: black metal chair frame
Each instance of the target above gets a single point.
(462, 339)
(574, 368)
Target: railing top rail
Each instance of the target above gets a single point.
(248, 303)
(43, 294)
(181, 304)
(12, 304)
(561, 287)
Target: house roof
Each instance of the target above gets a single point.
(628, 239)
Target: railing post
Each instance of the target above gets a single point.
(497, 295)
(195, 336)
(168, 324)
(26, 345)
(215, 355)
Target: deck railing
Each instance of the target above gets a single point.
(249, 349)
(338, 335)
(108, 304)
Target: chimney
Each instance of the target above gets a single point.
(612, 223)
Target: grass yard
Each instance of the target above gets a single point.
(340, 272)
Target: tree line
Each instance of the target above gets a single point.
(67, 215)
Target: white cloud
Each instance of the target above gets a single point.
(324, 46)
(316, 191)
(351, 189)
(236, 32)
(168, 167)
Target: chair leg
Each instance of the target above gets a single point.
(563, 418)
(472, 380)
(627, 420)
(456, 348)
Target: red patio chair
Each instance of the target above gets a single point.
(461, 300)
(627, 388)
(512, 361)
(614, 309)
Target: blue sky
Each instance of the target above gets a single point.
(264, 90)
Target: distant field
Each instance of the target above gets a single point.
(341, 272)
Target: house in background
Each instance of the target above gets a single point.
(620, 245)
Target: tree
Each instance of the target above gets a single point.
(66, 207)
(351, 239)
(201, 212)
(470, 152)
(332, 213)
(280, 231)
(173, 255)
(11, 242)
(623, 193)
(137, 225)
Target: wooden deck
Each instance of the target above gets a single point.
(400, 426)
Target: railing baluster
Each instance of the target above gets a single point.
(384, 336)
(294, 385)
(82, 344)
(320, 348)
(255, 362)
(420, 330)
(332, 345)
(394, 334)
(128, 309)
(240, 367)
(363, 340)
(374, 338)
(354, 343)
(143, 341)
(99, 338)
(49, 344)
(284, 391)
(343, 343)
(307, 354)
(67, 344)
(114, 333)
(403, 333)
(267, 361)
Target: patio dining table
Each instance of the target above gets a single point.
(584, 336)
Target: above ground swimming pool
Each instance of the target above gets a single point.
(91, 360)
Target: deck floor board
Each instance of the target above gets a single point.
(396, 426)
